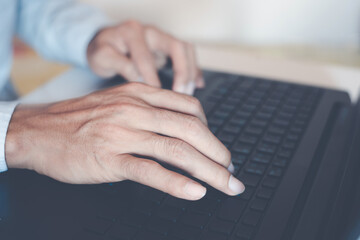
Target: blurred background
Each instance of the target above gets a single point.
(321, 31)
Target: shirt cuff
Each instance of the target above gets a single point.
(6, 111)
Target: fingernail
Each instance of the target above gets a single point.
(231, 168)
(140, 79)
(235, 185)
(181, 89)
(194, 190)
(190, 88)
(201, 82)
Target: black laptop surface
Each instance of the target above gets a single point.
(295, 147)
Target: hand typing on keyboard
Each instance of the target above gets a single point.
(134, 51)
(101, 138)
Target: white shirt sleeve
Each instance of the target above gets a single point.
(59, 30)
(6, 111)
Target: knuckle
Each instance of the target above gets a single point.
(179, 45)
(134, 87)
(143, 169)
(195, 103)
(123, 107)
(194, 126)
(177, 148)
(221, 176)
(133, 23)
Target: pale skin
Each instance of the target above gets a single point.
(99, 138)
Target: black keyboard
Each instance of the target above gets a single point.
(261, 122)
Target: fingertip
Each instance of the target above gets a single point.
(236, 187)
(200, 82)
(190, 88)
(231, 168)
(179, 87)
(194, 191)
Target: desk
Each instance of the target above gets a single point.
(77, 82)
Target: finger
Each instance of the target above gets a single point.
(167, 99)
(187, 128)
(142, 56)
(154, 175)
(182, 155)
(197, 74)
(113, 62)
(194, 70)
(182, 75)
(200, 82)
(177, 51)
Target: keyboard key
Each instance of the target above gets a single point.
(154, 195)
(245, 232)
(146, 234)
(267, 148)
(251, 180)
(276, 130)
(249, 139)
(270, 182)
(258, 204)
(215, 121)
(232, 128)
(252, 218)
(255, 168)
(246, 84)
(134, 219)
(254, 130)
(289, 145)
(247, 194)
(248, 108)
(121, 231)
(213, 128)
(242, 114)
(285, 153)
(264, 115)
(238, 121)
(193, 219)
(238, 158)
(185, 232)
(275, 172)
(144, 206)
(169, 213)
(265, 193)
(212, 236)
(221, 226)
(292, 137)
(98, 226)
(221, 114)
(259, 123)
(280, 162)
(87, 235)
(275, 139)
(231, 209)
(226, 108)
(226, 136)
(176, 202)
(261, 158)
(159, 225)
(205, 205)
(237, 168)
(242, 148)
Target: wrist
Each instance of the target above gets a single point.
(18, 142)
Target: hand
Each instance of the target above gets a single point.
(131, 49)
(93, 139)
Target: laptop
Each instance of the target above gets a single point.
(295, 147)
